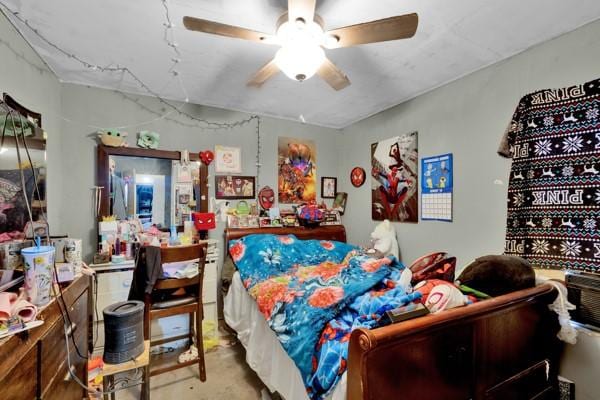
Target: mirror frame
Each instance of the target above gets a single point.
(103, 173)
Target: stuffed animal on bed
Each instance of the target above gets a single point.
(498, 275)
(383, 239)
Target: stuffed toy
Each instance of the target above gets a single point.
(439, 295)
(498, 275)
(148, 139)
(384, 240)
(434, 266)
(113, 138)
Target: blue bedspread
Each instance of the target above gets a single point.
(312, 294)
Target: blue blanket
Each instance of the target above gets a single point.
(312, 294)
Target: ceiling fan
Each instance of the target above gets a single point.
(302, 39)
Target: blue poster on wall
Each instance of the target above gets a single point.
(436, 188)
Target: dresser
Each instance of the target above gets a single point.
(33, 364)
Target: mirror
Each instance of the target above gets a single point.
(16, 120)
(157, 191)
(14, 217)
(150, 185)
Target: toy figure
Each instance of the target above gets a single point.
(384, 239)
(148, 139)
(113, 138)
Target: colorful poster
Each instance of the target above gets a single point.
(394, 179)
(436, 188)
(297, 162)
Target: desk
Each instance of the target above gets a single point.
(142, 361)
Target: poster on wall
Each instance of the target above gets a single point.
(394, 179)
(228, 159)
(436, 188)
(297, 163)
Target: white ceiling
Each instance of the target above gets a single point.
(454, 38)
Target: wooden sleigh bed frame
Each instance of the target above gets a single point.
(499, 349)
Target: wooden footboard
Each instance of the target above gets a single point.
(503, 348)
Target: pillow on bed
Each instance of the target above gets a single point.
(278, 253)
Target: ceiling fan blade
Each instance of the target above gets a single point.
(216, 28)
(304, 9)
(261, 76)
(334, 76)
(400, 27)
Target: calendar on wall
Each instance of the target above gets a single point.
(436, 188)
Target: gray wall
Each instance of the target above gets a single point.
(27, 79)
(106, 108)
(466, 118)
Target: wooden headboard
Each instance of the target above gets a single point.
(330, 232)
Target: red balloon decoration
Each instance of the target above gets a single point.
(207, 157)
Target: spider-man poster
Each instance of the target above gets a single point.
(394, 179)
(297, 162)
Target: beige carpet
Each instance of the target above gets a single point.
(227, 377)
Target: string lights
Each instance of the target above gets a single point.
(124, 70)
(169, 37)
(258, 151)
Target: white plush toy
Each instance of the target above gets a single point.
(384, 239)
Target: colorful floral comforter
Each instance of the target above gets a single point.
(313, 293)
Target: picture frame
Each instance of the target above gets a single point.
(339, 204)
(228, 160)
(328, 187)
(235, 187)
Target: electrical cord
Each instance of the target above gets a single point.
(89, 388)
(60, 298)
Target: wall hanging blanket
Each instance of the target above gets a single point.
(554, 189)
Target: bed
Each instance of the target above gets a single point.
(502, 348)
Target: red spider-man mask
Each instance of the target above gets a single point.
(266, 198)
(204, 221)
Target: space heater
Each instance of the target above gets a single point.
(584, 293)
(123, 331)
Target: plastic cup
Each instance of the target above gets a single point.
(39, 264)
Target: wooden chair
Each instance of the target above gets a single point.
(190, 304)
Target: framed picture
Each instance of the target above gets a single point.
(228, 160)
(328, 187)
(235, 187)
(339, 204)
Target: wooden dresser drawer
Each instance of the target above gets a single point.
(63, 387)
(19, 383)
(53, 353)
(33, 363)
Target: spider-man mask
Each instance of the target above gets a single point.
(266, 198)
(204, 221)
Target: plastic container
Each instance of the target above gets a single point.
(39, 264)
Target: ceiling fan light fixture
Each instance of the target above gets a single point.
(331, 40)
(301, 53)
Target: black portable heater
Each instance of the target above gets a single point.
(584, 293)
(123, 331)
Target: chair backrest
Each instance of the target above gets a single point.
(178, 254)
(183, 253)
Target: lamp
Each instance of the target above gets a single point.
(301, 54)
